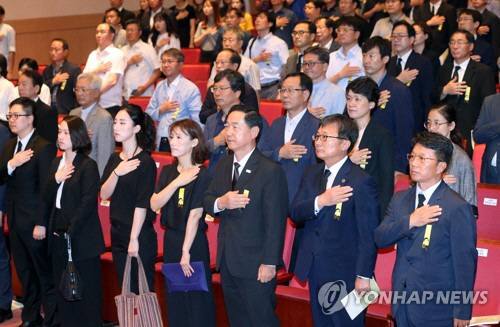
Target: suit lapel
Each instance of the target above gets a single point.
(301, 126)
(281, 131)
(31, 142)
(410, 63)
(342, 177)
(89, 120)
(249, 169)
(367, 136)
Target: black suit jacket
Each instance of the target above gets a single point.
(441, 37)
(481, 82)
(254, 235)
(434, 57)
(493, 37)
(66, 98)
(209, 107)
(420, 87)
(487, 131)
(26, 184)
(485, 51)
(247, 36)
(46, 122)
(79, 203)
(125, 15)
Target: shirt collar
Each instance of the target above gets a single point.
(405, 57)
(295, 120)
(156, 12)
(25, 139)
(381, 79)
(428, 193)
(89, 108)
(329, 44)
(334, 169)
(174, 83)
(436, 6)
(397, 19)
(320, 84)
(351, 53)
(106, 50)
(268, 35)
(463, 65)
(243, 160)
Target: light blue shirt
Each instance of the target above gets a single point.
(329, 96)
(189, 98)
(338, 60)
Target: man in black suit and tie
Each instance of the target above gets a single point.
(30, 83)
(441, 17)
(489, 30)
(24, 165)
(249, 193)
(434, 229)
(337, 202)
(412, 69)
(61, 77)
(464, 83)
(124, 13)
(325, 34)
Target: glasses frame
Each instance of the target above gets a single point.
(15, 116)
(324, 137)
(419, 159)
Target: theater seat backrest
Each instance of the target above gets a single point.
(270, 110)
(477, 159)
(213, 229)
(487, 278)
(191, 56)
(288, 245)
(161, 159)
(41, 68)
(403, 183)
(105, 219)
(140, 101)
(488, 203)
(386, 259)
(202, 86)
(196, 72)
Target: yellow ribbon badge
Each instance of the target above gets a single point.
(180, 203)
(427, 237)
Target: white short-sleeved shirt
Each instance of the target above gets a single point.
(269, 71)
(338, 60)
(44, 94)
(7, 91)
(138, 74)
(8, 43)
(329, 96)
(113, 97)
(248, 69)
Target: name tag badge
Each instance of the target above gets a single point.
(180, 203)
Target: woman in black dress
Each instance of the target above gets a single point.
(185, 17)
(185, 239)
(71, 203)
(129, 178)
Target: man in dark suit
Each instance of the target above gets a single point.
(434, 229)
(489, 30)
(396, 115)
(441, 17)
(487, 131)
(285, 21)
(24, 165)
(337, 202)
(249, 193)
(303, 36)
(124, 13)
(30, 83)
(325, 34)
(412, 69)
(60, 77)
(5, 271)
(464, 83)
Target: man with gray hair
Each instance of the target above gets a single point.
(98, 120)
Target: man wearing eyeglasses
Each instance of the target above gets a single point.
(394, 8)
(24, 166)
(303, 36)
(434, 229)
(175, 98)
(337, 203)
(464, 83)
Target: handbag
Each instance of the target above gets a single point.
(137, 310)
(178, 282)
(71, 284)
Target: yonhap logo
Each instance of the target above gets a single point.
(329, 296)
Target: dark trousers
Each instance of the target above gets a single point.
(403, 319)
(148, 250)
(5, 274)
(33, 266)
(248, 301)
(88, 311)
(113, 110)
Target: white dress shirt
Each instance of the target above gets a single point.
(61, 184)
(248, 69)
(138, 74)
(427, 193)
(8, 43)
(329, 96)
(461, 72)
(291, 124)
(86, 111)
(404, 59)
(7, 94)
(334, 170)
(338, 60)
(44, 94)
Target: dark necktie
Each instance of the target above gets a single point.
(236, 175)
(299, 63)
(421, 200)
(432, 10)
(19, 147)
(455, 73)
(399, 67)
(324, 181)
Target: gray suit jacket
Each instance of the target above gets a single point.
(103, 142)
(291, 64)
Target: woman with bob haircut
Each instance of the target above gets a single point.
(129, 177)
(179, 195)
(70, 203)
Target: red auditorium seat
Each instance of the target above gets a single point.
(196, 72)
(41, 68)
(104, 218)
(488, 203)
(14, 81)
(477, 159)
(161, 159)
(191, 56)
(60, 118)
(270, 110)
(82, 67)
(403, 183)
(202, 85)
(213, 229)
(140, 101)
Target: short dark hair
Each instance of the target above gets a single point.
(2, 11)
(3, 66)
(348, 21)
(238, 12)
(252, 117)
(328, 23)
(306, 82)
(441, 145)
(409, 28)
(116, 11)
(476, 15)
(450, 115)
(35, 78)
(347, 127)
(133, 21)
(318, 4)
(78, 134)
(310, 25)
(271, 18)
(383, 45)
(366, 87)
(173, 52)
(235, 79)
(29, 107)
(235, 57)
(146, 136)
(322, 54)
(193, 130)
(468, 35)
(30, 62)
(63, 41)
